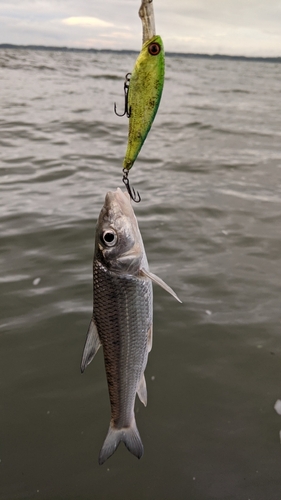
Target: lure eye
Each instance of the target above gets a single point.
(109, 238)
(154, 49)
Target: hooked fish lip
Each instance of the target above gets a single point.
(124, 201)
(119, 196)
(117, 205)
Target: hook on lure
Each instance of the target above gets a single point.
(127, 110)
(135, 196)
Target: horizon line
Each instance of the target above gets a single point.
(131, 51)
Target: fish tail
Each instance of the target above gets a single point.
(130, 437)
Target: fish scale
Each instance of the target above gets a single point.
(129, 303)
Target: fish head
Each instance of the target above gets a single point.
(119, 243)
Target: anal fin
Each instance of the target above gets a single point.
(142, 391)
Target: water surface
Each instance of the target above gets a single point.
(209, 175)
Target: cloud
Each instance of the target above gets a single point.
(86, 21)
(236, 27)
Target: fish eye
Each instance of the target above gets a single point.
(154, 49)
(109, 237)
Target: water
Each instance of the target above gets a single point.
(209, 175)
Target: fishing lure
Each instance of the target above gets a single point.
(143, 90)
(144, 94)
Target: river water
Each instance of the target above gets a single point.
(210, 176)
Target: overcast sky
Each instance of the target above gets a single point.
(235, 27)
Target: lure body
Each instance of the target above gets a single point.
(145, 90)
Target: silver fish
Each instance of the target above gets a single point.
(122, 317)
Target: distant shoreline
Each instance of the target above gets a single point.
(125, 51)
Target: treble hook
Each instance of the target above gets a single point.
(126, 92)
(135, 196)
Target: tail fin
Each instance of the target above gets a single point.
(129, 435)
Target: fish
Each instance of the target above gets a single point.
(144, 95)
(122, 317)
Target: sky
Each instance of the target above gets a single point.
(233, 27)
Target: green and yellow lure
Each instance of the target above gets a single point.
(144, 94)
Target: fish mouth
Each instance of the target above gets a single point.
(119, 196)
(120, 203)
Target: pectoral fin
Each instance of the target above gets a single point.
(142, 391)
(92, 346)
(160, 282)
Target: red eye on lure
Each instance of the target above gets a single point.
(154, 49)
